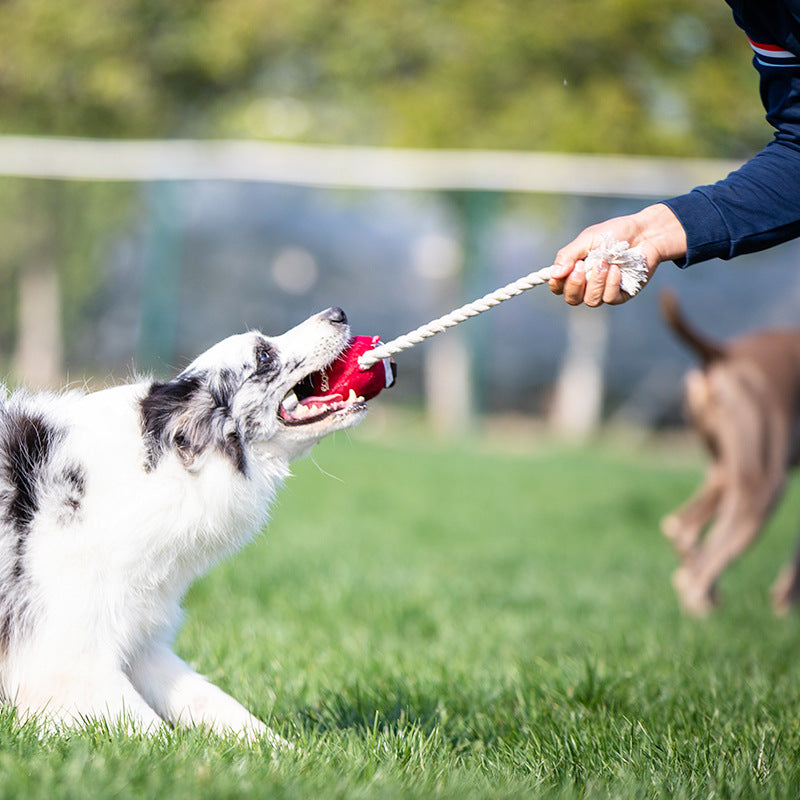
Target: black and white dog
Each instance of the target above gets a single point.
(112, 502)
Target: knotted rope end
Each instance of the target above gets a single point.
(630, 260)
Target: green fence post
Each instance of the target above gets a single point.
(478, 212)
(163, 254)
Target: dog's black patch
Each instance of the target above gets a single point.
(234, 450)
(73, 480)
(14, 610)
(26, 445)
(28, 440)
(189, 414)
(160, 407)
(6, 630)
(222, 389)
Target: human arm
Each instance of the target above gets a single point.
(753, 208)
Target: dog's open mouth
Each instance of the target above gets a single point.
(302, 405)
(342, 386)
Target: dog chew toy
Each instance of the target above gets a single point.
(630, 260)
(344, 380)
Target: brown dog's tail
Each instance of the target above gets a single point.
(707, 350)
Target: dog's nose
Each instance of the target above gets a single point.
(335, 314)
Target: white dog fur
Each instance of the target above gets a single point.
(112, 502)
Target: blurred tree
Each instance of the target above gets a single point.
(609, 76)
(625, 76)
(53, 234)
(628, 76)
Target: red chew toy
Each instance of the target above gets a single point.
(344, 379)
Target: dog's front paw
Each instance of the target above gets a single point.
(785, 592)
(696, 600)
(677, 535)
(278, 744)
(254, 731)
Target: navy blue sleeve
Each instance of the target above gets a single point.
(754, 208)
(758, 206)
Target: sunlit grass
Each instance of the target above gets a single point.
(457, 622)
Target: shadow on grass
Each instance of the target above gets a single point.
(537, 706)
(362, 709)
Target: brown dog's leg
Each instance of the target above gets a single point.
(684, 525)
(749, 442)
(786, 590)
(741, 517)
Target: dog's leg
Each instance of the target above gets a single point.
(684, 525)
(75, 700)
(786, 590)
(741, 517)
(750, 442)
(185, 697)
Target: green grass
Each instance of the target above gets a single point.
(458, 623)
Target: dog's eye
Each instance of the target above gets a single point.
(265, 357)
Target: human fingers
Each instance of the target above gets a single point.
(563, 270)
(556, 285)
(596, 285)
(575, 284)
(569, 255)
(612, 294)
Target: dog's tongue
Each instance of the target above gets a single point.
(345, 376)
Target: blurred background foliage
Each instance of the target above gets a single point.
(611, 76)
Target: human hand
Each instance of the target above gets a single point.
(655, 230)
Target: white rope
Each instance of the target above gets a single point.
(630, 260)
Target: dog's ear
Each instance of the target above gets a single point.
(190, 440)
(176, 415)
(190, 415)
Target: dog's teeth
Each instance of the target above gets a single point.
(351, 398)
(290, 401)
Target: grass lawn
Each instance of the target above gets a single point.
(458, 622)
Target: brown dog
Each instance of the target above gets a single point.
(745, 403)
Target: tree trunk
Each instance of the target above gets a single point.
(578, 402)
(38, 360)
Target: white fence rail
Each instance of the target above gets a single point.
(369, 168)
(355, 167)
